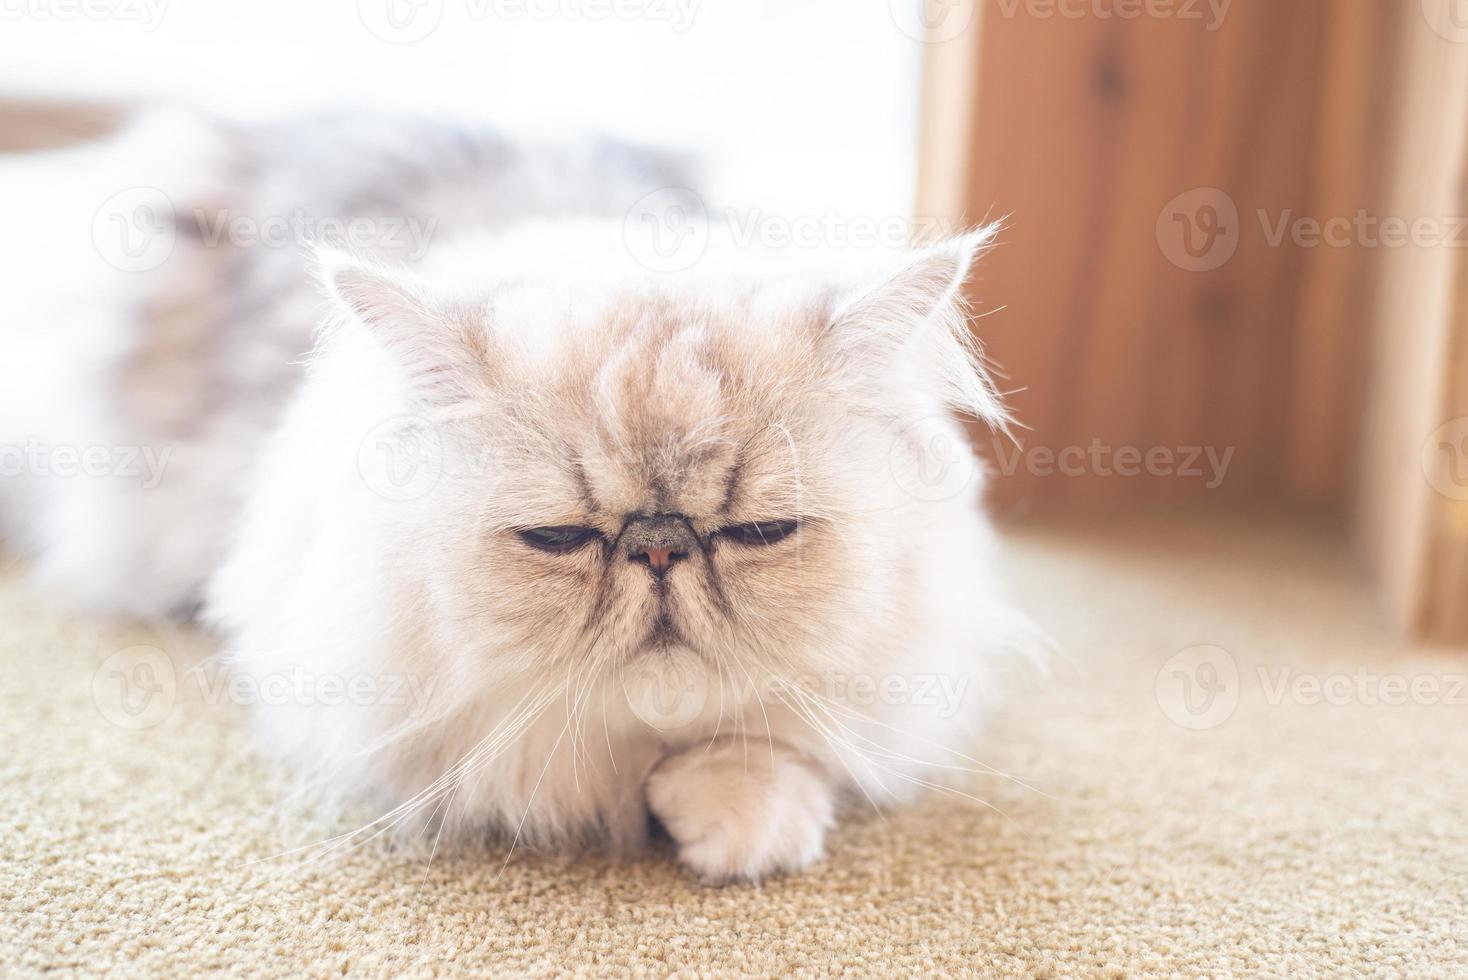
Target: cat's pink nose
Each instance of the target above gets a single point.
(659, 560)
(658, 541)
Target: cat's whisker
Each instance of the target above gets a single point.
(448, 810)
(498, 738)
(808, 697)
(976, 767)
(535, 790)
(910, 777)
(607, 732)
(829, 705)
(802, 712)
(769, 731)
(570, 718)
(578, 734)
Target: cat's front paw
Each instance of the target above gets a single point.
(742, 813)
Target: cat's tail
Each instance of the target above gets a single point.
(89, 234)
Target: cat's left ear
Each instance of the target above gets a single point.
(441, 349)
(913, 326)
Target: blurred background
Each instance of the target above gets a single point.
(1231, 274)
(1237, 226)
(795, 104)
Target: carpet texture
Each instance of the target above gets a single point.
(1287, 800)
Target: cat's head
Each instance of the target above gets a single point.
(718, 467)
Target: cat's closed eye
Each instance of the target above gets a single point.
(760, 532)
(559, 539)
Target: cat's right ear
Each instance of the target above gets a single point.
(912, 323)
(442, 351)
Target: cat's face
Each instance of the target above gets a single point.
(675, 471)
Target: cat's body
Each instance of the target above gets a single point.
(588, 541)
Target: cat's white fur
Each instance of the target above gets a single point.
(536, 375)
(122, 542)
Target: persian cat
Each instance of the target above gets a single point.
(582, 546)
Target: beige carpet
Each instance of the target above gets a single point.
(1289, 838)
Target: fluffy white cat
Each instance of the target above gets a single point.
(548, 542)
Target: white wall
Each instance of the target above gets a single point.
(796, 105)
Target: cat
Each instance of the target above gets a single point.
(564, 547)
